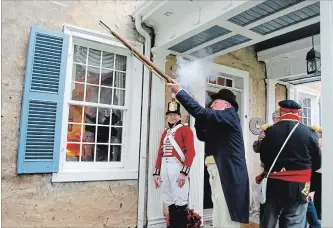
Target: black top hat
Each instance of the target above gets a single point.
(173, 107)
(227, 95)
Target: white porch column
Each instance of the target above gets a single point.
(157, 120)
(326, 40)
(270, 108)
(197, 169)
(291, 92)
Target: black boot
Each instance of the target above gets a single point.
(182, 213)
(172, 216)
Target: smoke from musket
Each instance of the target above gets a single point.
(194, 74)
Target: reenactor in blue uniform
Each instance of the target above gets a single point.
(288, 184)
(219, 127)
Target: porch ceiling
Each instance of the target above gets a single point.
(206, 29)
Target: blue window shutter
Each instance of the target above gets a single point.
(41, 114)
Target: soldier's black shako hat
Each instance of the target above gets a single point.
(173, 107)
(289, 106)
(227, 95)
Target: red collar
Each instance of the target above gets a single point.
(290, 116)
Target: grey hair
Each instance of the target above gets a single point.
(275, 113)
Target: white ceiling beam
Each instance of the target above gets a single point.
(281, 13)
(266, 37)
(212, 14)
(240, 30)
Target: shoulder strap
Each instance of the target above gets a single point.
(177, 148)
(173, 141)
(284, 144)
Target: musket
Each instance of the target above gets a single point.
(151, 66)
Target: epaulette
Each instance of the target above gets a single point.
(315, 127)
(264, 127)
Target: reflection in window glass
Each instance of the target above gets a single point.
(95, 124)
(305, 102)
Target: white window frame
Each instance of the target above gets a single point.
(127, 168)
(314, 96)
(224, 77)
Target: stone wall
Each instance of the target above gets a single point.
(245, 59)
(280, 94)
(32, 200)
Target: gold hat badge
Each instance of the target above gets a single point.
(172, 106)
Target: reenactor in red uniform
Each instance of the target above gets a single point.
(175, 156)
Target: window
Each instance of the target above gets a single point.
(221, 81)
(306, 109)
(96, 106)
(81, 107)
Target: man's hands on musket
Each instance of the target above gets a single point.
(174, 86)
(157, 181)
(181, 180)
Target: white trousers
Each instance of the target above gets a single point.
(171, 193)
(221, 216)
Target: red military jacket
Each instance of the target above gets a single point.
(185, 140)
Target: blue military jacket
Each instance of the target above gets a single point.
(222, 134)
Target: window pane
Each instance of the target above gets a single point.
(121, 62)
(108, 60)
(73, 152)
(305, 121)
(75, 114)
(119, 97)
(74, 133)
(117, 118)
(90, 114)
(88, 152)
(102, 153)
(115, 153)
(93, 75)
(120, 80)
(77, 92)
(106, 95)
(308, 103)
(107, 78)
(94, 57)
(80, 54)
(103, 133)
(305, 111)
(220, 81)
(116, 134)
(229, 83)
(79, 73)
(92, 93)
(104, 116)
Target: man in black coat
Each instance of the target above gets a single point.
(288, 184)
(219, 127)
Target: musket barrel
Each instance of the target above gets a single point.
(137, 53)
